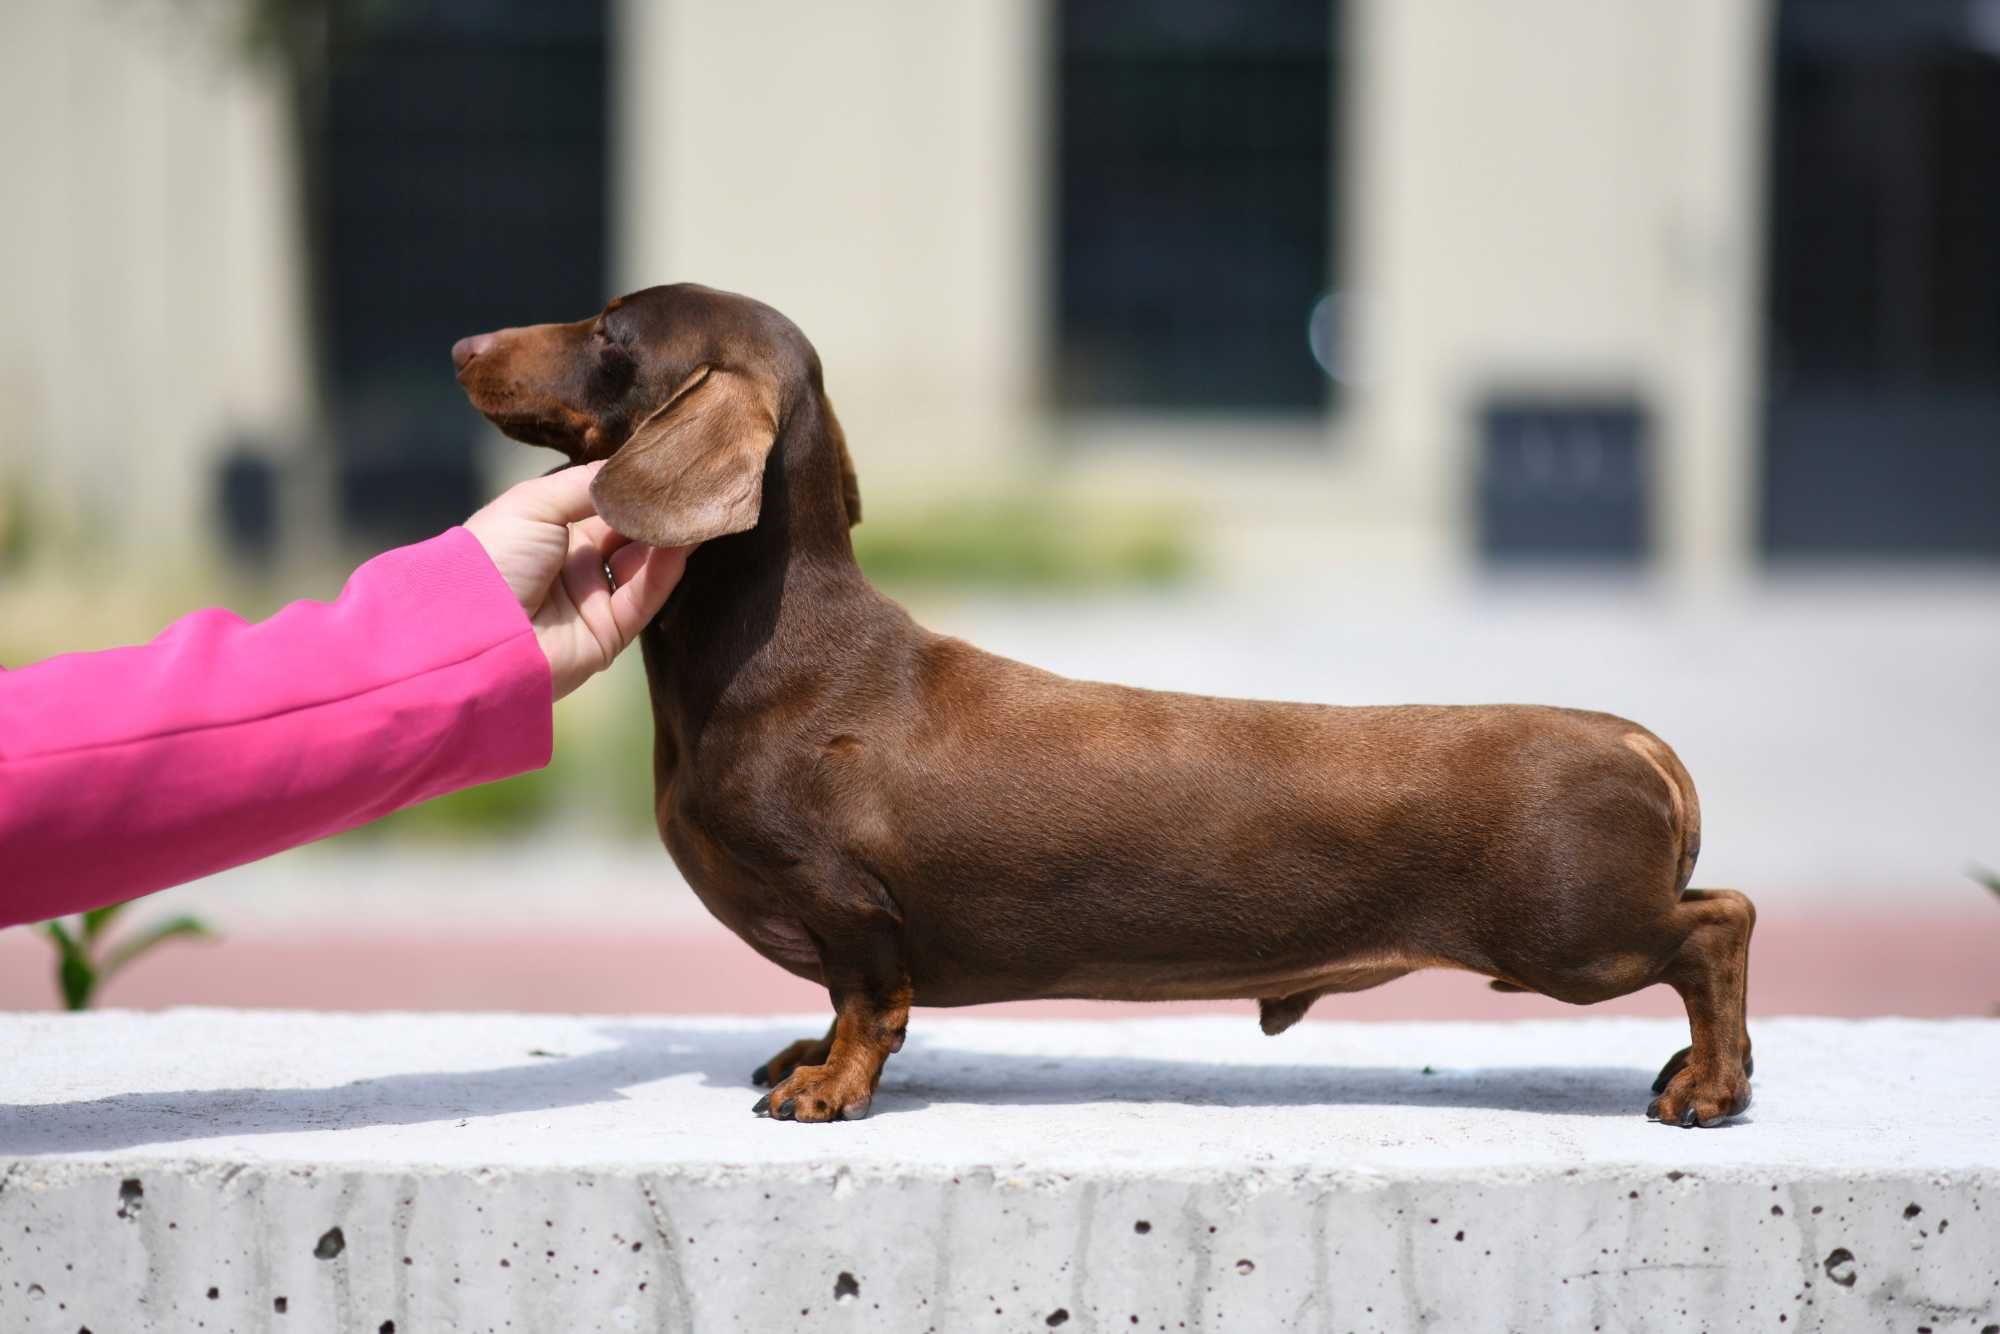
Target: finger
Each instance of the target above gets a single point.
(599, 535)
(560, 497)
(590, 600)
(641, 595)
(626, 562)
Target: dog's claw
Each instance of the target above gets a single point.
(762, 1106)
(1689, 1120)
(785, 1108)
(1653, 1110)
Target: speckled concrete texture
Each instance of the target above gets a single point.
(220, 1170)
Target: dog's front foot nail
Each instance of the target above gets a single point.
(1689, 1120)
(1652, 1109)
(762, 1106)
(786, 1108)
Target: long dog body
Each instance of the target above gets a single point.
(911, 821)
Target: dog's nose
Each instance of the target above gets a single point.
(465, 349)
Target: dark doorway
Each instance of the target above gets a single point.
(1883, 408)
(466, 190)
(1194, 204)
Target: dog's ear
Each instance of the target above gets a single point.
(694, 470)
(850, 485)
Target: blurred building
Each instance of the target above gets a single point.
(1694, 286)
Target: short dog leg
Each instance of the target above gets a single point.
(1679, 1061)
(806, 1051)
(1710, 1080)
(868, 1027)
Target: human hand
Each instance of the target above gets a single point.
(549, 544)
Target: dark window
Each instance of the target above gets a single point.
(1194, 207)
(1563, 481)
(1883, 432)
(465, 191)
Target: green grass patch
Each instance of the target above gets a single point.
(1027, 544)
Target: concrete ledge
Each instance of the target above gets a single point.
(263, 1171)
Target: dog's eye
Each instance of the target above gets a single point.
(612, 362)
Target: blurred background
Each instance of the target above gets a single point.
(1614, 353)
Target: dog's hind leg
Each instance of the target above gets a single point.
(1710, 1079)
(1699, 944)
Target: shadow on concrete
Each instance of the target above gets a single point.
(926, 1073)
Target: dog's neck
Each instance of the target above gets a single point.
(757, 609)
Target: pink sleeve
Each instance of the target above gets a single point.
(219, 742)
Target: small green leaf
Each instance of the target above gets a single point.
(151, 936)
(61, 936)
(1990, 879)
(133, 947)
(97, 919)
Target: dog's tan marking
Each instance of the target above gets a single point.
(1648, 750)
(1686, 807)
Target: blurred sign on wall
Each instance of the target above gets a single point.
(1563, 480)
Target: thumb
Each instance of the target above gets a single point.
(560, 497)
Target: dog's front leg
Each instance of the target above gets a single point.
(871, 1001)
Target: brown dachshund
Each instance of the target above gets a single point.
(910, 821)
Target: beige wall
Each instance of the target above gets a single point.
(1555, 194)
(871, 168)
(146, 254)
(1548, 195)
(1561, 195)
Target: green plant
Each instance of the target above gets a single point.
(86, 960)
(15, 535)
(1990, 879)
(1024, 542)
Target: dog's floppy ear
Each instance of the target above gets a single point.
(694, 470)
(850, 485)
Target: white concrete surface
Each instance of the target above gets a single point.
(194, 1169)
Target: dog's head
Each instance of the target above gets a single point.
(684, 389)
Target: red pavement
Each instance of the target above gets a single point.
(1805, 961)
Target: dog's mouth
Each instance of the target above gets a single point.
(548, 424)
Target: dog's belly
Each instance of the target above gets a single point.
(1203, 980)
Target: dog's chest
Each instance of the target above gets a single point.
(756, 912)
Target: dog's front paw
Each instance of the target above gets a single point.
(1696, 1096)
(819, 1093)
